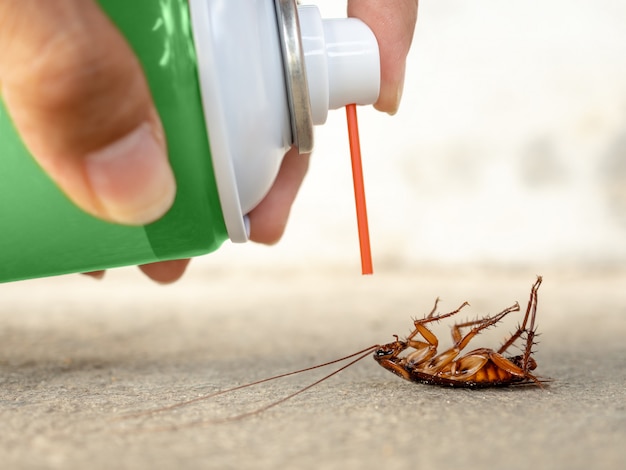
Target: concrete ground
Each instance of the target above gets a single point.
(77, 355)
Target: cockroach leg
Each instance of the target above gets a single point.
(461, 342)
(456, 330)
(426, 350)
(531, 311)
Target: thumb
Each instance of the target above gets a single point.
(79, 99)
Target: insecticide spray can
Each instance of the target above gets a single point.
(236, 84)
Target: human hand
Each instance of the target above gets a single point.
(393, 24)
(80, 101)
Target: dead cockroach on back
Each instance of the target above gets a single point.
(481, 367)
(422, 363)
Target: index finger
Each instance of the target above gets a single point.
(393, 24)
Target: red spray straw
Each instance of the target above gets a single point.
(359, 190)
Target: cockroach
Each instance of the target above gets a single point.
(480, 368)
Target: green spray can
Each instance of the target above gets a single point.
(236, 84)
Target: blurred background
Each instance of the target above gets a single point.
(509, 146)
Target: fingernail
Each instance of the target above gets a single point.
(398, 98)
(132, 178)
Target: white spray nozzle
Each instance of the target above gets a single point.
(342, 62)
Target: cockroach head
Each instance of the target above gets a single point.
(390, 349)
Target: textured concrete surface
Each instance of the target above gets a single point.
(76, 355)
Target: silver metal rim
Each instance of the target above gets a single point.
(295, 75)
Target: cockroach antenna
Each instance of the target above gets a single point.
(363, 353)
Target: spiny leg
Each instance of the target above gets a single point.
(456, 329)
(432, 312)
(446, 357)
(431, 318)
(431, 340)
(425, 350)
(531, 332)
(513, 369)
(531, 312)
